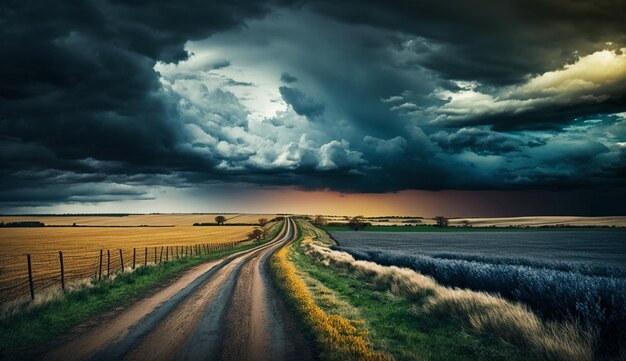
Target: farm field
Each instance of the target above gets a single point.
(586, 246)
(543, 221)
(572, 276)
(536, 221)
(137, 219)
(166, 310)
(81, 248)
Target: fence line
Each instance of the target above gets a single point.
(81, 267)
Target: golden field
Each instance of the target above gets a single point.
(81, 246)
(138, 219)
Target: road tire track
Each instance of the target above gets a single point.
(226, 310)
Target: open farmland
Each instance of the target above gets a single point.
(133, 220)
(535, 221)
(560, 275)
(81, 247)
(586, 246)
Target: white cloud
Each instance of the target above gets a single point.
(594, 78)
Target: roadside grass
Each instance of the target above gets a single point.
(462, 229)
(26, 331)
(479, 323)
(399, 326)
(336, 337)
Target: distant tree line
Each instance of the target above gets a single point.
(22, 224)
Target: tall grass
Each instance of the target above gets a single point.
(512, 322)
(597, 303)
(338, 337)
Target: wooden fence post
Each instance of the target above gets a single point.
(108, 262)
(62, 271)
(100, 269)
(134, 251)
(167, 253)
(161, 255)
(145, 258)
(122, 260)
(155, 255)
(30, 279)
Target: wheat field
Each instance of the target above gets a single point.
(138, 219)
(169, 237)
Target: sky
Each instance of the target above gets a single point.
(490, 108)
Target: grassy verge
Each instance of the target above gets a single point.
(412, 317)
(464, 229)
(337, 337)
(28, 330)
(398, 326)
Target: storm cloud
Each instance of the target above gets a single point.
(110, 99)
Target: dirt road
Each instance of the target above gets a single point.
(222, 310)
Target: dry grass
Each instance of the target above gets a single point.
(485, 313)
(339, 337)
(81, 250)
(138, 220)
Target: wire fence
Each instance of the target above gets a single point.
(36, 273)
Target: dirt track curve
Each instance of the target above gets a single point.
(222, 310)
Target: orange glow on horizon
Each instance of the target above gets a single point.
(403, 203)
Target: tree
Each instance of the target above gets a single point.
(255, 235)
(220, 220)
(466, 223)
(357, 223)
(263, 221)
(441, 221)
(320, 221)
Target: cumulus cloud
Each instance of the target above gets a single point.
(594, 82)
(388, 96)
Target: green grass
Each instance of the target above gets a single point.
(399, 327)
(461, 229)
(29, 329)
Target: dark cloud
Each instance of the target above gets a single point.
(388, 96)
(79, 83)
(288, 78)
(232, 82)
(301, 103)
(483, 141)
(495, 42)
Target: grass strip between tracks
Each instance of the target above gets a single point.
(337, 338)
(26, 331)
